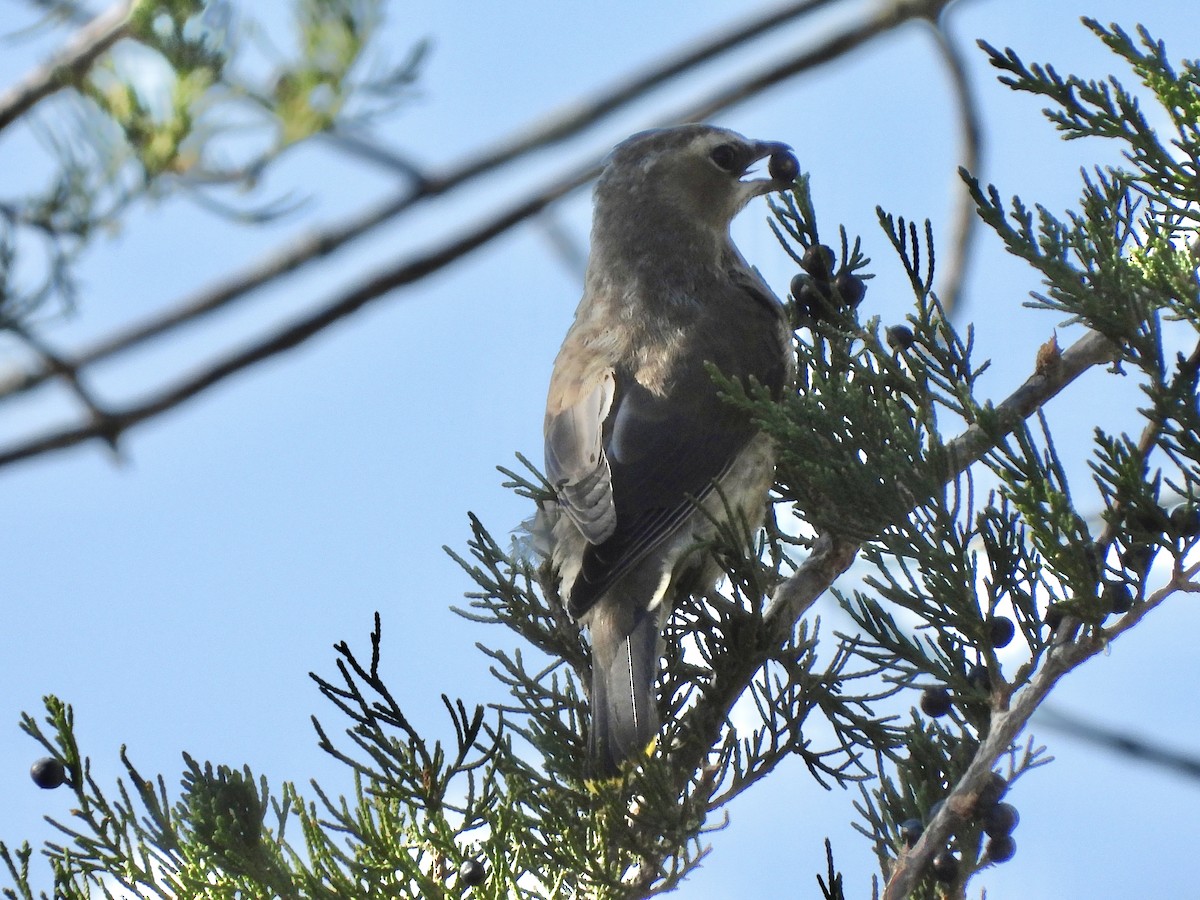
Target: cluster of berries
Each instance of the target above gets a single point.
(998, 820)
(818, 293)
(936, 701)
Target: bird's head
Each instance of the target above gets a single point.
(697, 173)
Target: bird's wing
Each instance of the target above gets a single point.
(581, 396)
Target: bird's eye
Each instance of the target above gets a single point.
(724, 156)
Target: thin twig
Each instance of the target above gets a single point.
(1146, 443)
(68, 65)
(570, 252)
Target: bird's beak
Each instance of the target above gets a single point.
(782, 168)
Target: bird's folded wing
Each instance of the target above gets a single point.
(575, 460)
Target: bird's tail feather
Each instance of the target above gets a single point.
(624, 711)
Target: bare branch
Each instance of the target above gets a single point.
(68, 65)
(1092, 349)
(296, 253)
(569, 251)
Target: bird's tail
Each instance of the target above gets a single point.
(624, 711)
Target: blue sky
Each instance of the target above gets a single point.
(179, 599)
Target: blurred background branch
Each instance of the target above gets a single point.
(63, 70)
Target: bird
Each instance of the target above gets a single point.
(645, 458)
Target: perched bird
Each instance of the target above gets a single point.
(636, 434)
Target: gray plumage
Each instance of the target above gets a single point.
(635, 432)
